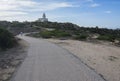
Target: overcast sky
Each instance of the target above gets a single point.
(102, 13)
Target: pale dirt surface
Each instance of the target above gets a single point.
(104, 59)
(49, 62)
(11, 59)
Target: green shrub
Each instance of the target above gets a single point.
(106, 38)
(53, 33)
(81, 37)
(46, 34)
(60, 33)
(7, 40)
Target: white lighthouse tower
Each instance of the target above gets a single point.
(43, 19)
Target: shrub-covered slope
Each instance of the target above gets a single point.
(7, 40)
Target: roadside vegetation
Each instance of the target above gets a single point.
(7, 40)
(59, 30)
(81, 37)
(12, 53)
(53, 34)
(106, 38)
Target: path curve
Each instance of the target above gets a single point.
(49, 62)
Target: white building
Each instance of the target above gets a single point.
(43, 19)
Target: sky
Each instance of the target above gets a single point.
(88, 13)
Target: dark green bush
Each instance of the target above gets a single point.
(46, 34)
(106, 38)
(7, 40)
(60, 33)
(54, 33)
(81, 37)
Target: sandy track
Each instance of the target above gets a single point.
(105, 59)
(49, 62)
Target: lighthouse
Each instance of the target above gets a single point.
(43, 19)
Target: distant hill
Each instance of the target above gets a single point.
(74, 30)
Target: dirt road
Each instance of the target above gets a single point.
(48, 62)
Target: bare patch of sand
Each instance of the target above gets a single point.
(104, 59)
(11, 59)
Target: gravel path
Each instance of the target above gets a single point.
(48, 62)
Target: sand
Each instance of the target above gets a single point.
(11, 59)
(104, 59)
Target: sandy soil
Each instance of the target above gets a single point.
(11, 59)
(104, 59)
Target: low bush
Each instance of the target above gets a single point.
(46, 34)
(106, 38)
(7, 40)
(60, 33)
(54, 33)
(81, 37)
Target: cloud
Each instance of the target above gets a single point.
(89, 0)
(94, 5)
(9, 13)
(20, 7)
(51, 6)
(15, 4)
(108, 12)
